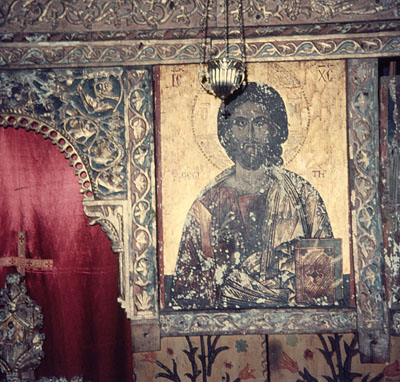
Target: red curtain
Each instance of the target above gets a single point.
(86, 330)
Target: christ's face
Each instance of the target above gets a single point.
(252, 135)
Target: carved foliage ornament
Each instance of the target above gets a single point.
(367, 232)
(258, 321)
(85, 108)
(89, 115)
(20, 324)
(189, 51)
(51, 15)
(20, 339)
(257, 31)
(142, 192)
(372, 309)
(105, 115)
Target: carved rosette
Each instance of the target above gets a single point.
(372, 318)
(142, 185)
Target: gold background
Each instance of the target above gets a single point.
(191, 156)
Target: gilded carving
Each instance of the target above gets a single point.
(364, 195)
(148, 52)
(20, 119)
(86, 109)
(372, 318)
(142, 193)
(20, 324)
(258, 321)
(21, 342)
(89, 114)
(113, 15)
(314, 29)
(110, 218)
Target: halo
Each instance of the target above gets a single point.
(205, 110)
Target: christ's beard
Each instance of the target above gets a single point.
(251, 156)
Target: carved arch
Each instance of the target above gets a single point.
(108, 215)
(17, 120)
(102, 120)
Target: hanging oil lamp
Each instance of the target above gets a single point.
(222, 76)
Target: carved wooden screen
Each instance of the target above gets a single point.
(98, 73)
(114, 161)
(101, 119)
(370, 317)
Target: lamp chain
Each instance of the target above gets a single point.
(226, 34)
(205, 26)
(241, 32)
(205, 30)
(222, 76)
